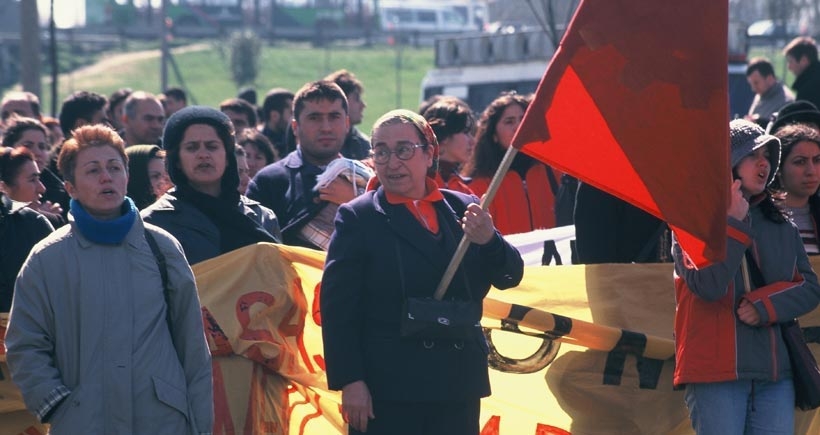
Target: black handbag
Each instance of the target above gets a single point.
(805, 373)
(429, 318)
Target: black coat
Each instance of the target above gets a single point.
(20, 230)
(807, 84)
(286, 187)
(356, 146)
(55, 192)
(611, 230)
(378, 254)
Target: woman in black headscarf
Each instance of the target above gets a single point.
(147, 176)
(205, 212)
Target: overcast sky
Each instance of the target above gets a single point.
(67, 13)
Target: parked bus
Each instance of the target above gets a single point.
(432, 17)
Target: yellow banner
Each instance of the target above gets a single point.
(608, 369)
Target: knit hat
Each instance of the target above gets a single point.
(746, 137)
(795, 112)
(139, 184)
(175, 130)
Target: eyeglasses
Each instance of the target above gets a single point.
(381, 154)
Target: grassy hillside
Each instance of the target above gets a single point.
(205, 71)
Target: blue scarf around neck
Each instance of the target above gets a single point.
(111, 232)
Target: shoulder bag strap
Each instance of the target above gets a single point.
(752, 270)
(163, 272)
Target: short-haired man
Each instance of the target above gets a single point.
(241, 113)
(173, 99)
(801, 59)
(277, 113)
(320, 125)
(81, 108)
(144, 118)
(770, 94)
(357, 144)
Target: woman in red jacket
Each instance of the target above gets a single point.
(454, 125)
(730, 356)
(525, 199)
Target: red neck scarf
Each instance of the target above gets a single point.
(422, 209)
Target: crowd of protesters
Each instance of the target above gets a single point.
(135, 177)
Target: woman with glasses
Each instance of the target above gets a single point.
(525, 200)
(393, 243)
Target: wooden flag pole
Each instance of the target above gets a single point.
(485, 203)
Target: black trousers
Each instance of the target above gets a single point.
(424, 418)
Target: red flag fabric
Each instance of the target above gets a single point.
(635, 103)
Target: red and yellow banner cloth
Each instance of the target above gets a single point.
(261, 318)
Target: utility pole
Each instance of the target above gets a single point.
(55, 73)
(164, 34)
(30, 47)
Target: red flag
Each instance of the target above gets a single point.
(635, 103)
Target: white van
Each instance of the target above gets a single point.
(407, 17)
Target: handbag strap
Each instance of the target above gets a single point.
(402, 281)
(163, 273)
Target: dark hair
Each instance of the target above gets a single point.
(87, 136)
(172, 137)
(11, 160)
(26, 96)
(790, 136)
(800, 47)
(139, 182)
(248, 94)
(487, 153)
(772, 208)
(176, 93)
(315, 91)
(761, 65)
(277, 99)
(240, 152)
(241, 106)
(79, 105)
(20, 125)
(115, 99)
(448, 117)
(346, 80)
(433, 99)
(260, 141)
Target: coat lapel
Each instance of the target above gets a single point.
(408, 230)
